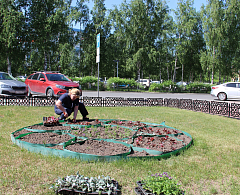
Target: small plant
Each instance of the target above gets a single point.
(162, 184)
(81, 183)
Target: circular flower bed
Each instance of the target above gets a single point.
(103, 139)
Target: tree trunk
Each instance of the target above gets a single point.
(9, 66)
(49, 61)
(219, 77)
(45, 61)
(175, 66)
(182, 71)
(167, 72)
(160, 74)
(213, 65)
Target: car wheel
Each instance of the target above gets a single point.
(222, 96)
(49, 93)
(29, 92)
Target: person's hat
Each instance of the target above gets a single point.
(75, 91)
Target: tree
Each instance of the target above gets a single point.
(80, 14)
(189, 38)
(137, 26)
(48, 27)
(10, 31)
(213, 17)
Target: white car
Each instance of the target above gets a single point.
(229, 90)
(157, 82)
(9, 86)
(21, 77)
(145, 82)
(181, 83)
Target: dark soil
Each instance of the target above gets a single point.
(131, 124)
(101, 148)
(160, 130)
(50, 128)
(117, 130)
(104, 132)
(16, 134)
(163, 144)
(81, 122)
(46, 138)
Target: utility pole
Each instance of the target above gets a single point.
(117, 65)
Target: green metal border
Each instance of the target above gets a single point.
(45, 150)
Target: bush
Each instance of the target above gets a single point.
(198, 87)
(165, 86)
(114, 82)
(89, 82)
(161, 184)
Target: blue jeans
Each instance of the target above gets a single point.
(81, 107)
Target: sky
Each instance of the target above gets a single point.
(171, 3)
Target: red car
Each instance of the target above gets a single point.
(49, 83)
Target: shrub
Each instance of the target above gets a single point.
(120, 82)
(198, 87)
(162, 184)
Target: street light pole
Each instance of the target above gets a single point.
(117, 65)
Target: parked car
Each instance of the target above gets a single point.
(23, 78)
(157, 82)
(9, 86)
(49, 83)
(229, 90)
(145, 82)
(182, 83)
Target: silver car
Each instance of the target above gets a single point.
(9, 86)
(229, 90)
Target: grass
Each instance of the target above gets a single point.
(210, 166)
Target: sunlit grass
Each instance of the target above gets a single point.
(210, 166)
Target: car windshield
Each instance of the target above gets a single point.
(5, 76)
(57, 77)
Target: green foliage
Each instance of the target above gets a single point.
(120, 82)
(198, 87)
(166, 85)
(142, 35)
(161, 184)
(88, 79)
(155, 87)
(170, 85)
(89, 82)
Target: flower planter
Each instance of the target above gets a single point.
(141, 191)
(117, 131)
(67, 191)
(138, 191)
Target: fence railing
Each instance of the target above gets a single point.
(231, 110)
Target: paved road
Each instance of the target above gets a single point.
(193, 96)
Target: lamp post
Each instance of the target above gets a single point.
(117, 65)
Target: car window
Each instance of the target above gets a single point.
(30, 77)
(4, 76)
(57, 77)
(35, 76)
(231, 85)
(41, 76)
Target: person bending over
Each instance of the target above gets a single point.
(68, 103)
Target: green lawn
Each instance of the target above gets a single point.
(210, 166)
